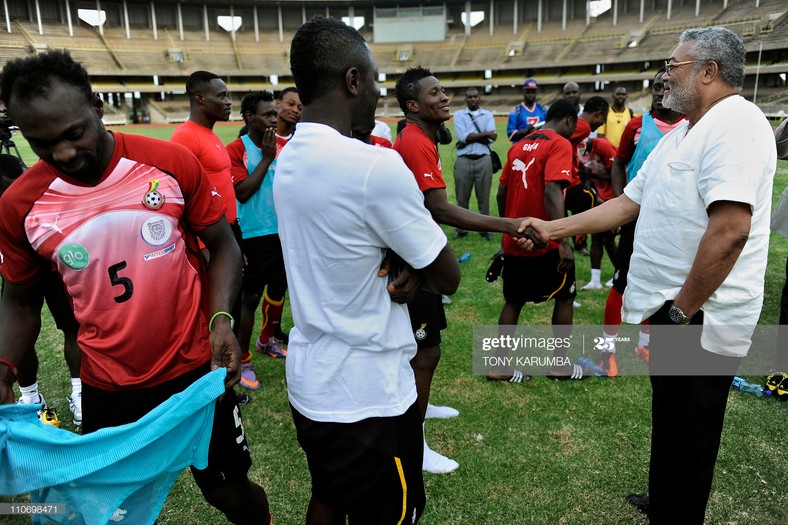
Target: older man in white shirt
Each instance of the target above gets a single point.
(702, 200)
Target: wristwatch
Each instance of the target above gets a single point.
(678, 316)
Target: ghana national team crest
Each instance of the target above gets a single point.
(153, 200)
(421, 333)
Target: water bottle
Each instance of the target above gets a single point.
(745, 386)
(465, 257)
(590, 367)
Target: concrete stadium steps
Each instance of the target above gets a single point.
(553, 55)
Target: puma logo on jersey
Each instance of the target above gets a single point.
(568, 172)
(519, 165)
(428, 176)
(50, 225)
(215, 193)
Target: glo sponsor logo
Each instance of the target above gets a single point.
(74, 256)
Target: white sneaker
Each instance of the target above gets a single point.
(445, 299)
(435, 412)
(435, 463)
(27, 401)
(592, 286)
(575, 304)
(75, 405)
(609, 284)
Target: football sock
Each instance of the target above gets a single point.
(272, 315)
(613, 311)
(596, 275)
(610, 342)
(29, 394)
(643, 337)
(436, 463)
(76, 387)
(440, 412)
(246, 357)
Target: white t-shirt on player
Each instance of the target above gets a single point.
(340, 204)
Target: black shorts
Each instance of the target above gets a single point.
(60, 306)
(427, 318)
(264, 265)
(228, 455)
(536, 279)
(579, 198)
(623, 255)
(58, 303)
(369, 470)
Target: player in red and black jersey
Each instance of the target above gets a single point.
(580, 196)
(595, 162)
(426, 106)
(116, 216)
(537, 170)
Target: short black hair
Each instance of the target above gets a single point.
(407, 87)
(252, 100)
(560, 109)
(287, 90)
(321, 53)
(595, 104)
(197, 80)
(26, 78)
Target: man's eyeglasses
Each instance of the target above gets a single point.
(670, 66)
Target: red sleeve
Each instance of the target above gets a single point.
(606, 151)
(184, 136)
(19, 263)
(238, 162)
(558, 164)
(421, 157)
(383, 142)
(626, 147)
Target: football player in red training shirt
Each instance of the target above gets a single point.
(426, 107)
(115, 215)
(537, 170)
(209, 103)
(595, 158)
(579, 197)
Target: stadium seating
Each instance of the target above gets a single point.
(595, 55)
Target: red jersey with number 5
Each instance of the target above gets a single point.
(127, 254)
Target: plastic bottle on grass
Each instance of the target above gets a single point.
(590, 367)
(465, 257)
(746, 386)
